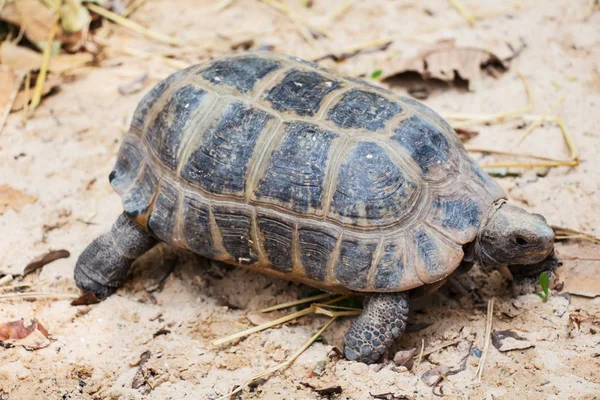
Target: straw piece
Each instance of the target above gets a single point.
(19, 79)
(26, 104)
(329, 313)
(116, 18)
(41, 79)
(6, 279)
(420, 358)
(539, 121)
(179, 64)
(339, 11)
(463, 11)
(264, 326)
(10, 296)
(296, 302)
(132, 7)
(281, 365)
(488, 333)
(567, 233)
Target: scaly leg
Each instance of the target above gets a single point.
(103, 265)
(374, 331)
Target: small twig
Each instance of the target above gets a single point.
(271, 324)
(296, 302)
(223, 4)
(284, 364)
(441, 347)
(131, 8)
(463, 11)
(339, 11)
(38, 294)
(26, 104)
(538, 122)
(19, 76)
(116, 18)
(486, 344)
(41, 79)
(346, 53)
(420, 358)
(567, 233)
(179, 64)
(329, 313)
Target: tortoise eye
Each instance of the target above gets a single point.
(521, 241)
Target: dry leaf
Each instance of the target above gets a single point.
(24, 59)
(405, 357)
(446, 62)
(135, 86)
(44, 259)
(52, 81)
(509, 340)
(13, 198)
(33, 16)
(85, 299)
(9, 85)
(32, 337)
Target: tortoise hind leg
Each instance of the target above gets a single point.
(374, 331)
(103, 265)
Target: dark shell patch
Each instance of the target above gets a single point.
(435, 117)
(427, 250)
(277, 242)
(196, 226)
(162, 218)
(297, 168)
(301, 92)
(459, 214)
(241, 73)
(164, 132)
(219, 164)
(150, 98)
(390, 269)
(235, 227)
(371, 186)
(363, 110)
(354, 263)
(426, 144)
(315, 250)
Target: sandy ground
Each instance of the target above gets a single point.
(174, 306)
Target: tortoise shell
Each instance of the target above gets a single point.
(276, 164)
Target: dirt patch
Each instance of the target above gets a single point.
(152, 339)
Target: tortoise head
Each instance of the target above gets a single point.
(514, 236)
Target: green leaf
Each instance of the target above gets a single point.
(376, 74)
(545, 283)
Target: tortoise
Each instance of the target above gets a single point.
(276, 164)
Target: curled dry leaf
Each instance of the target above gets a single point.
(510, 340)
(31, 337)
(44, 259)
(446, 62)
(405, 357)
(14, 198)
(435, 375)
(25, 59)
(85, 299)
(33, 16)
(52, 82)
(135, 86)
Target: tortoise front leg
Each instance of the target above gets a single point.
(103, 265)
(374, 331)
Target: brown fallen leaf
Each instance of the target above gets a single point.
(405, 357)
(44, 259)
(52, 82)
(14, 198)
(509, 340)
(135, 86)
(32, 337)
(465, 134)
(85, 299)
(33, 16)
(25, 59)
(446, 62)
